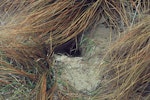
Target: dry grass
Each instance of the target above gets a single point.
(130, 58)
(129, 64)
(31, 30)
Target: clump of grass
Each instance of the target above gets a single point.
(17, 90)
(87, 45)
(129, 65)
(30, 32)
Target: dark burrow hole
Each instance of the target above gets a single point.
(69, 48)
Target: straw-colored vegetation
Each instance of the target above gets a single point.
(31, 30)
(128, 64)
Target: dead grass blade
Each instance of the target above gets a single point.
(42, 93)
(130, 62)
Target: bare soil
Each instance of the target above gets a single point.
(84, 73)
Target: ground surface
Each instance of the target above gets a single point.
(84, 73)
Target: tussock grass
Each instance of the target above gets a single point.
(131, 60)
(30, 30)
(129, 65)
